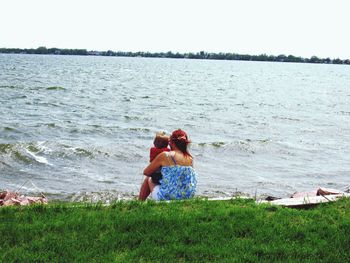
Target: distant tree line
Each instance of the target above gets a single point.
(198, 55)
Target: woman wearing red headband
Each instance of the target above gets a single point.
(179, 177)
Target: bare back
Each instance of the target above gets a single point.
(178, 158)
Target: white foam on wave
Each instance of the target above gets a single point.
(39, 159)
(41, 145)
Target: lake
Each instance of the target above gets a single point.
(80, 127)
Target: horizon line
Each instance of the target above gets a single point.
(171, 54)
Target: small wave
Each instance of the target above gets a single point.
(39, 159)
(51, 125)
(286, 118)
(21, 157)
(127, 117)
(5, 147)
(344, 113)
(24, 152)
(67, 151)
(246, 145)
(10, 129)
(259, 140)
(128, 99)
(139, 129)
(4, 164)
(214, 144)
(55, 88)
(218, 144)
(83, 152)
(8, 87)
(21, 97)
(75, 130)
(38, 152)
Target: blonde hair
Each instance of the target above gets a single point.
(161, 140)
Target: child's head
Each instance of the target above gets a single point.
(161, 140)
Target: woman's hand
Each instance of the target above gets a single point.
(159, 161)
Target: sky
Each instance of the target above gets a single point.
(297, 27)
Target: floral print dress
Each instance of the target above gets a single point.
(178, 182)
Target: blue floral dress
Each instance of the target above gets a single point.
(178, 182)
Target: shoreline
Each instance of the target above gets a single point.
(202, 55)
(320, 195)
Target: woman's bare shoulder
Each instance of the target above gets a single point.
(163, 157)
(164, 154)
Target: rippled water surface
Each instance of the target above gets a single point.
(80, 128)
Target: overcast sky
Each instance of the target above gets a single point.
(297, 27)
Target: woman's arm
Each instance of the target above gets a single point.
(155, 164)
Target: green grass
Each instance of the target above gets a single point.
(196, 231)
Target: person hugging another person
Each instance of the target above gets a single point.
(176, 167)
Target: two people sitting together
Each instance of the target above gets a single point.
(170, 174)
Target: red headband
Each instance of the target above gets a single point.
(179, 135)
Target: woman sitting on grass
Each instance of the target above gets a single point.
(179, 177)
